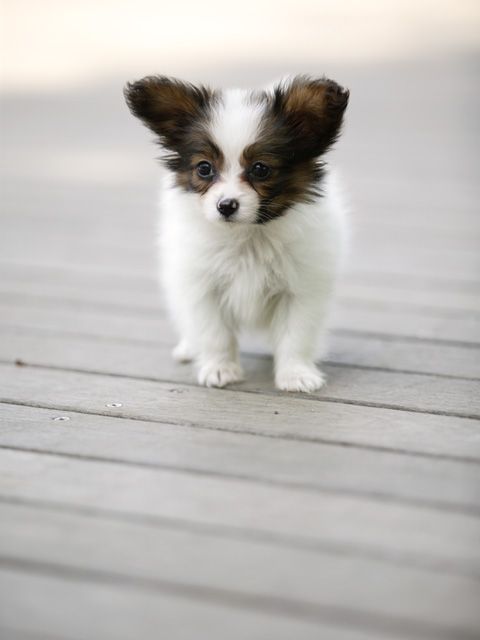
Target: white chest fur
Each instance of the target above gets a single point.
(249, 275)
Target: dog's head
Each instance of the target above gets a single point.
(249, 156)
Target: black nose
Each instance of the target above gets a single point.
(227, 207)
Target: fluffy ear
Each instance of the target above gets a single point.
(167, 106)
(313, 110)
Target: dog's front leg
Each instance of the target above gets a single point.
(217, 359)
(295, 328)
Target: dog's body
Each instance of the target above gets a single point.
(251, 244)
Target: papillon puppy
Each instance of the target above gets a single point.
(252, 225)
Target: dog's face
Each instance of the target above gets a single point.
(249, 156)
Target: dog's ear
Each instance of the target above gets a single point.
(167, 106)
(313, 110)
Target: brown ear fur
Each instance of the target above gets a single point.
(167, 106)
(313, 110)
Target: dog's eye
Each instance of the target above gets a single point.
(259, 171)
(205, 169)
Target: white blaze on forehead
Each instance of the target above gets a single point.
(235, 125)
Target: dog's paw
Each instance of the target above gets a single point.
(219, 374)
(299, 377)
(183, 352)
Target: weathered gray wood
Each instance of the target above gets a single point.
(457, 232)
(429, 211)
(66, 607)
(60, 318)
(297, 418)
(310, 466)
(144, 290)
(412, 226)
(55, 252)
(443, 302)
(370, 229)
(345, 347)
(280, 515)
(346, 384)
(106, 611)
(411, 260)
(404, 355)
(385, 320)
(414, 216)
(17, 634)
(265, 572)
(411, 282)
(118, 276)
(442, 292)
(348, 315)
(83, 249)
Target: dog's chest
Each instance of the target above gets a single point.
(249, 277)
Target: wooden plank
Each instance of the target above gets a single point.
(78, 278)
(404, 355)
(456, 209)
(53, 252)
(411, 282)
(146, 298)
(330, 468)
(116, 275)
(385, 320)
(43, 219)
(351, 348)
(281, 516)
(370, 229)
(395, 258)
(118, 278)
(346, 384)
(429, 226)
(145, 292)
(434, 220)
(369, 317)
(144, 289)
(410, 297)
(371, 205)
(75, 609)
(59, 317)
(275, 578)
(298, 418)
(16, 634)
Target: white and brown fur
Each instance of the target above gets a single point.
(271, 264)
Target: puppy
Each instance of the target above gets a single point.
(252, 224)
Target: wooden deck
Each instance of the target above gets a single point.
(135, 505)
